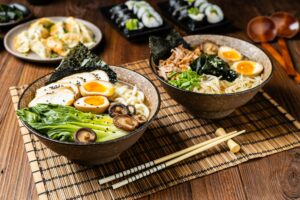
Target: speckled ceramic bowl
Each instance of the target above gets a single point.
(214, 106)
(98, 153)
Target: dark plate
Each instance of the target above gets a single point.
(187, 25)
(27, 15)
(135, 35)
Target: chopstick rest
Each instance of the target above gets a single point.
(232, 145)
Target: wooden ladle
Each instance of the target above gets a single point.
(265, 29)
(262, 29)
(287, 27)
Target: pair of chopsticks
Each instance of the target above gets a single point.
(166, 161)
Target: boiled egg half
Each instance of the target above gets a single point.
(93, 88)
(229, 54)
(247, 67)
(93, 104)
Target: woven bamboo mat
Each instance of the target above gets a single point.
(269, 130)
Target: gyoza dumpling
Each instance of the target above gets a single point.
(71, 39)
(87, 35)
(45, 22)
(39, 47)
(72, 26)
(21, 42)
(37, 31)
(57, 29)
(56, 45)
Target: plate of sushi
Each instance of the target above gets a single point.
(194, 15)
(135, 19)
(87, 110)
(49, 39)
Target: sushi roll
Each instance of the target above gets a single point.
(139, 5)
(152, 19)
(118, 8)
(195, 14)
(181, 13)
(198, 2)
(177, 5)
(172, 3)
(203, 6)
(117, 14)
(130, 4)
(214, 14)
(122, 19)
(143, 10)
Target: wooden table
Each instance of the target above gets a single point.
(273, 177)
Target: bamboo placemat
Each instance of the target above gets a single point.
(270, 129)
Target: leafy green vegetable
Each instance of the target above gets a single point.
(213, 65)
(61, 122)
(187, 80)
(81, 59)
(193, 11)
(132, 24)
(161, 47)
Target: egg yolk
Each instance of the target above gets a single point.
(245, 68)
(231, 55)
(94, 100)
(94, 87)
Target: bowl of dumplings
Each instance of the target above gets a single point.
(49, 39)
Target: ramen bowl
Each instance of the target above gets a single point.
(214, 106)
(98, 152)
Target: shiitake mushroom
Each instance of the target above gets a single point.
(131, 109)
(125, 122)
(116, 109)
(141, 119)
(85, 135)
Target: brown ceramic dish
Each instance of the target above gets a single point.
(212, 106)
(98, 153)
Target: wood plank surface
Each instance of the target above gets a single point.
(273, 177)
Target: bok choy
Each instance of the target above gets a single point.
(61, 122)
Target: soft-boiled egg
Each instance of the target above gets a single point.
(229, 54)
(61, 96)
(247, 67)
(92, 88)
(93, 104)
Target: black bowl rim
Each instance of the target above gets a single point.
(207, 94)
(94, 143)
(15, 22)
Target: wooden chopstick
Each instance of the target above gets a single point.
(157, 161)
(290, 70)
(177, 159)
(275, 54)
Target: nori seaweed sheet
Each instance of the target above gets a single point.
(81, 59)
(161, 47)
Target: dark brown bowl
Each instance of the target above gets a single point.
(27, 15)
(213, 106)
(101, 152)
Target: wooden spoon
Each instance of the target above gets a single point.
(262, 29)
(287, 27)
